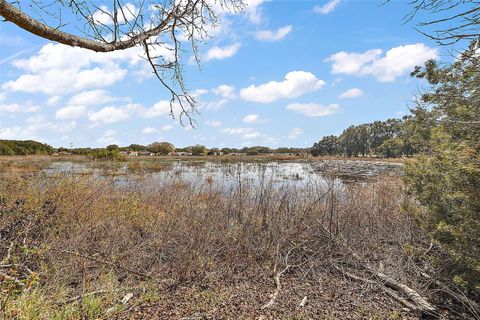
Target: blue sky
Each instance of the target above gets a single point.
(285, 73)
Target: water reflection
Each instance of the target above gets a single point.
(276, 174)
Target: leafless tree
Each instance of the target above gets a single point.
(106, 26)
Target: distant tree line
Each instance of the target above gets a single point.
(165, 148)
(27, 147)
(391, 138)
(113, 151)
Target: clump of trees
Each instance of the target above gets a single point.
(199, 150)
(28, 147)
(160, 148)
(196, 150)
(114, 151)
(113, 147)
(136, 147)
(445, 177)
(229, 150)
(78, 151)
(106, 154)
(390, 138)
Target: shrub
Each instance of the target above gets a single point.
(105, 154)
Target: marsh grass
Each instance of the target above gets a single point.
(79, 234)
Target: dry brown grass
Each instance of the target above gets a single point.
(66, 236)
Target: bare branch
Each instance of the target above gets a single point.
(127, 25)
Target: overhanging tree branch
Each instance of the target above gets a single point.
(154, 26)
(12, 14)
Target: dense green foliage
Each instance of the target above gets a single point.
(161, 148)
(228, 150)
(106, 154)
(390, 138)
(136, 147)
(113, 147)
(445, 178)
(27, 147)
(255, 150)
(80, 151)
(113, 151)
(199, 150)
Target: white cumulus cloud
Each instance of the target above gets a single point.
(295, 84)
(251, 118)
(396, 61)
(149, 130)
(57, 68)
(313, 109)
(109, 114)
(225, 91)
(18, 108)
(244, 133)
(92, 97)
(161, 108)
(327, 7)
(17, 132)
(268, 35)
(219, 53)
(51, 101)
(351, 93)
(53, 81)
(71, 112)
(253, 10)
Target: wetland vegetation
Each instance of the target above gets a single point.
(378, 222)
(167, 237)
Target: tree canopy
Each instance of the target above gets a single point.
(27, 147)
(445, 178)
(390, 138)
(162, 148)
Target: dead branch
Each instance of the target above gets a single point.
(9, 254)
(12, 14)
(277, 290)
(421, 304)
(92, 293)
(388, 291)
(157, 25)
(108, 263)
(458, 296)
(278, 275)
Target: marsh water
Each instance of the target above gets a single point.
(276, 173)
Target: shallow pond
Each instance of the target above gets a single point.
(273, 173)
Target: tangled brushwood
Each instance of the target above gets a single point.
(83, 247)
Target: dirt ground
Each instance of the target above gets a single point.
(243, 297)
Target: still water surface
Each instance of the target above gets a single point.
(275, 173)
